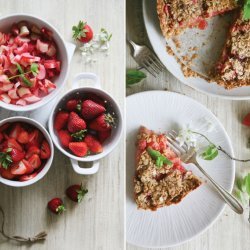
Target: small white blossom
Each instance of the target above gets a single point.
(187, 136)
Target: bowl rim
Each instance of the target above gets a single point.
(113, 143)
(48, 164)
(55, 92)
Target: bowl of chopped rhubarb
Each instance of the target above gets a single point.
(33, 62)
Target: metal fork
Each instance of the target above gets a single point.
(146, 58)
(188, 155)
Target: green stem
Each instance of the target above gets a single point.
(12, 77)
(221, 149)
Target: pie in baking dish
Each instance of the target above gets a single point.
(160, 179)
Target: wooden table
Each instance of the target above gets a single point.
(231, 231)
(97, 223)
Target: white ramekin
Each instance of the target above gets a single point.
(5, 24)
(49, 161)
(109, 144)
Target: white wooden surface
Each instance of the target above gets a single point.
(97, 223)
(231, 231)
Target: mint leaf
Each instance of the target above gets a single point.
(34, 69)
(247, 183)
(160, 159)
(134, 76)
(246, 10)
(210, 153)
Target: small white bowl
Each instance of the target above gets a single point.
(49, 161)
(5, 24)
(109, 144)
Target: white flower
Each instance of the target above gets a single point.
(99, 43)
(187, 136)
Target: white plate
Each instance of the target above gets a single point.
(173, 225)
(159, 45)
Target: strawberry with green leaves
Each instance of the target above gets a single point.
(76, 192)
(82, 32)
(104, 122)
(56, 206)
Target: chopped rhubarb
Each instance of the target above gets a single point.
(28, 64)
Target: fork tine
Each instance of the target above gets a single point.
(147, 68)
(154, 63)
(185, 146)
(173, 147)
(150, 65)
(175, 144)
(157, 60)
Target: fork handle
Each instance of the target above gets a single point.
(228, 198)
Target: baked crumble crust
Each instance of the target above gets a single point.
(233, 68)
(156, 187)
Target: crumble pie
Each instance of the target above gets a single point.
(233, 67)
(177, 15)
(157, 185)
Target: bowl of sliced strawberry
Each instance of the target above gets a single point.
(33, 62)
(86, 124)
(26, 151)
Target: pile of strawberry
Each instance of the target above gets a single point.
(84, 124)
(28, 64)
(23, 151)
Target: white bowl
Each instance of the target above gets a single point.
(109, 144)
(49, 161)
(5, 24)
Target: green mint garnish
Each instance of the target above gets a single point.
(210, 152)
(5, 158)
(160, 159)
(246, 10)
(33, 69)
(134, 76)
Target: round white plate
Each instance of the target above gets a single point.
(159, 45)
(162, 111)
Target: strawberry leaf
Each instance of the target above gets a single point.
(79, 31)
(81, 193)
(78, 136)
(60, 209)
(5, 159)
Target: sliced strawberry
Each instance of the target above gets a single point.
(5, 173)
(4, 126)
(23, 137)
(35, 138)
(32, 150)
(93, 144)
(17, 155)
(15, 131)
(78, 148)
(65, 138)
(12, 143)
(18, 168)
(45, 150)
(35, 161)
(61, 120)
(27, 177)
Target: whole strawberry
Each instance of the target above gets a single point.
(75, 123)
(73, 105)
(82, 32)
(103, 122)
(65, 138)
(91, 109)
(93, 144)
(76, 192)
(56, 206)
(61, 120)
(78, 148)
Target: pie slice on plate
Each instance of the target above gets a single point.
(160, 178)
(233, 68)
(178, 15)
